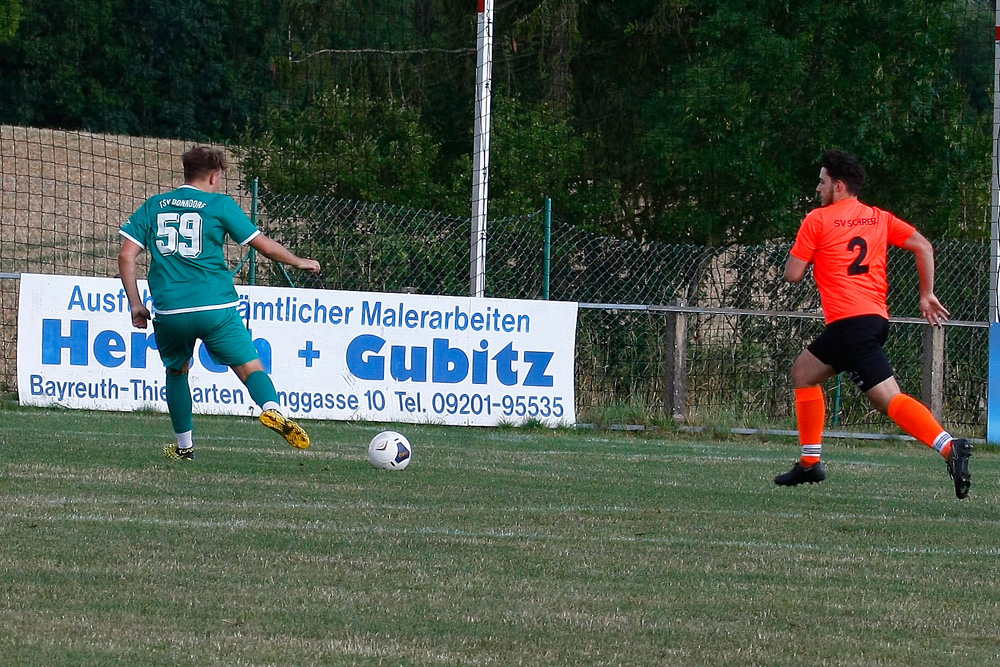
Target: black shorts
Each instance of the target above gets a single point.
(853, 345)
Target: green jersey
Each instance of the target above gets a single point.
(184, 231)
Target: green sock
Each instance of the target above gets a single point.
(179, 402)
(261, 388)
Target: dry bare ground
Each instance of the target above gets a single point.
(63, 197)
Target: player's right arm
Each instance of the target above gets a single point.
(243, 231)
(279, 253)
(127, 269)
(930, 308)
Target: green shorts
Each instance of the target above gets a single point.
(223, 332)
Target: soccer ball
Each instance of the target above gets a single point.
(390, 451)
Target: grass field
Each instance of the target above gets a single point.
(499, 546)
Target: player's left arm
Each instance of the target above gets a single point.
(803, 251)
(795, 269)
(127, 269)
(930, 308)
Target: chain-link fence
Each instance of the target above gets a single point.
(742, 333)
(64, 196)
(377, 247)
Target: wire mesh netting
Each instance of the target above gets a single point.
(368, 246)
(65, 195)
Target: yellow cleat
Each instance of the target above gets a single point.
(293, 434)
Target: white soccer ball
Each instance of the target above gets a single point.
(390, 451)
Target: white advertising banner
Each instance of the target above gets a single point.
(332, 355)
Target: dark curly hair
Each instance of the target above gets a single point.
(844, 167)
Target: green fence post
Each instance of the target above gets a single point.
(547, 268)
(253, 219)
(836, 402)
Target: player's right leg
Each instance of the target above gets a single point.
(876, 378)
(293, 434)
(916, 419)
(958, 466)
(230, 343)
(262, 390)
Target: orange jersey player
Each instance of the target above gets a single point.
(847, 242)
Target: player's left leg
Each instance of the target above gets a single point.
(808, 374)
(181, 411)
(175, 344)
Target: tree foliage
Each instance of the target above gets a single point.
(733, 103)
(674, 120)
(347, 146)
(194, 69)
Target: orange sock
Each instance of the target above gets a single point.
(810, 413)
(913, 417)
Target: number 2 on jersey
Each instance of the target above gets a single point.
(857, 267)
(180, 233)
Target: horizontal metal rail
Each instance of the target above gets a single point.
(708, 311)
(758, 313)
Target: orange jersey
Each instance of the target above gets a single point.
(847, 243)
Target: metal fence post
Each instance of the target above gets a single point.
(253, 218)
(837, 389)
(547, 267)
(932, 390)
(675, 377)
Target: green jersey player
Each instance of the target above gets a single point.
(193, 293)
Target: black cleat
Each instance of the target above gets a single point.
(799, 475)
(958, 466)
(173, 453)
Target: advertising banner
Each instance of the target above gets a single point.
(332, 355)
